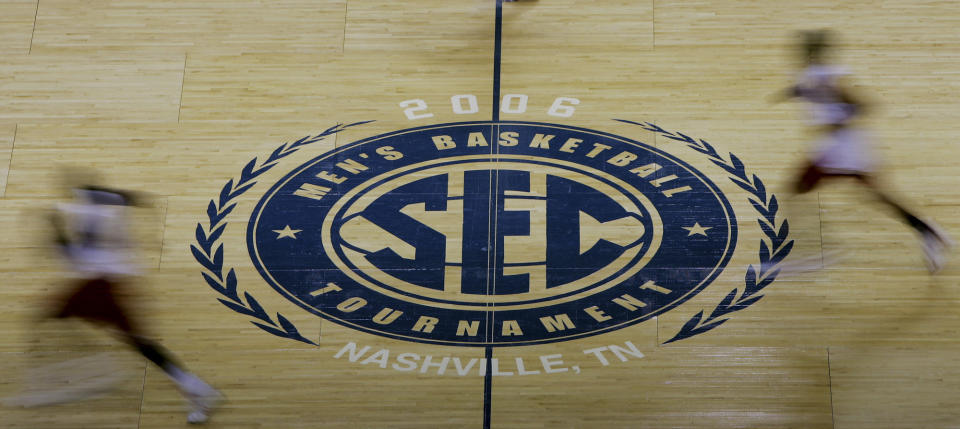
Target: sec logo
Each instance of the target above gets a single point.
(491, 233)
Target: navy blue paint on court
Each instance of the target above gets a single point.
(608, 236)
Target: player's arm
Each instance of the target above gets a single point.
(60, 237)
(122, 197)
(851, 98)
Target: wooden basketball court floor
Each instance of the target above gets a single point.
(175, 98)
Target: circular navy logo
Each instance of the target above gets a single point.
(492, 233)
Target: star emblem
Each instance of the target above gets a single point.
(697, 229)
(287, 232)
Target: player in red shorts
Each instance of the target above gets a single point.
(91, 232)
(843, 151)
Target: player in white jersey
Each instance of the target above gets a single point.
(843, 151)
(92, 233)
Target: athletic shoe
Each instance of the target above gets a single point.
(936, 245)
(201, 406)
(933, 249)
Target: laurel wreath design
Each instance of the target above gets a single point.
(208, 250)
(773, 249)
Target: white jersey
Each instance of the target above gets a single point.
(846, 150)
(843, 150)
(99, 239)
(817, 84)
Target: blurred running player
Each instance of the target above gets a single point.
(842, 150)
(91, 233)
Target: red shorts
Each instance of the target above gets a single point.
(813, 174)
(97, 301)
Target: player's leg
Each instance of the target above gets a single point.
(936, 243)
(101, 301)
(202, 396)
(808, 179)
(64, 361)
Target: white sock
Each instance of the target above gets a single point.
(188, 382)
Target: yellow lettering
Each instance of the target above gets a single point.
(629, 302)
(444, 142)
(330, 177)
(468, 328)
(541, 141)
(309, 190)
(622, 159)
(509, 138)
(669, 192)
(476, 139)
(425, 324)
(663, 180)
(352, 304)
(351, 166)
(597, 314)
(597, 148)
(645, 170)
(570, 145)
(511, 327)
(330, 287)
(387, 316)
(559, 322)
(389, 153)
(652, 286)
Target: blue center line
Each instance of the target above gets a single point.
(487, 388)
(488, 350)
